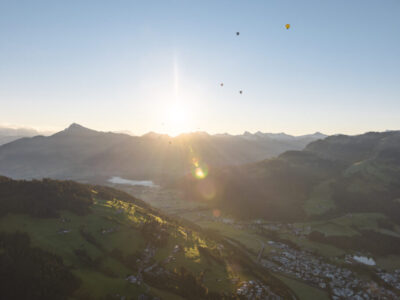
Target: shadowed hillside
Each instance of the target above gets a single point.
(345, 173)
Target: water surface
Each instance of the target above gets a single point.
(120, 180)
(364, 260)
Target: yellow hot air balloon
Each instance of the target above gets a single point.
(287, 26)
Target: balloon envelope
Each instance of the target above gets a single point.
(287, 26)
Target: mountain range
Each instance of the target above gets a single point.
(84, 154)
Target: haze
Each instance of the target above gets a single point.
(158, 65)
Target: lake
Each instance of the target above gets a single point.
(364, 260)
(119, 180)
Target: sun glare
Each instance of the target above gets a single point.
(177, 119)
(177, 114)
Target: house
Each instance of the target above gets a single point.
(63, 231)
(133, 279)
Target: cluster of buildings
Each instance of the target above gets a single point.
(341, 282)
(393, 279)
(255, 290)
(143, 265)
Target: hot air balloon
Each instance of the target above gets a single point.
(240, 92)
(287, 26)
(222, 84)
(237, 33)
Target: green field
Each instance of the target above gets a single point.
(304, 291)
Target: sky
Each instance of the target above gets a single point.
(158, 65)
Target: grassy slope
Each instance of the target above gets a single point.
(125, 219)
(320, 200)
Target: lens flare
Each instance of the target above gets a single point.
(200, 171)
(206, 189)
(216, 213)
(195, 162)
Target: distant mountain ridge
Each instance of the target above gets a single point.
(337, 175)
(304, 139)
(284, 136)
(81, 153)
(8, 134)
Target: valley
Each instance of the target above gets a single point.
(275, 229)
(311, 268)
(305, 224)
(342, 240)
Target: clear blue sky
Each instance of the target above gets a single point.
(122, 65)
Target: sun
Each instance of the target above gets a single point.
(177, 119)
(177, 114)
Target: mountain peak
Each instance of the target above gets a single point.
(316, 135)
(76, 129)
(75, 126)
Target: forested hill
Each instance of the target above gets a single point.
(46, 198)
(335, 176)
(64, 240)
(352, 149)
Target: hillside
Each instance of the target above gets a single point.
(84, 154)
(64, 240)
(337, 175)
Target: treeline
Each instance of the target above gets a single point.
(43, 198)
(107, 193)
(31, 273)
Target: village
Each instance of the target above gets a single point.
(335, 278)
(340, 281)
(254, 289)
